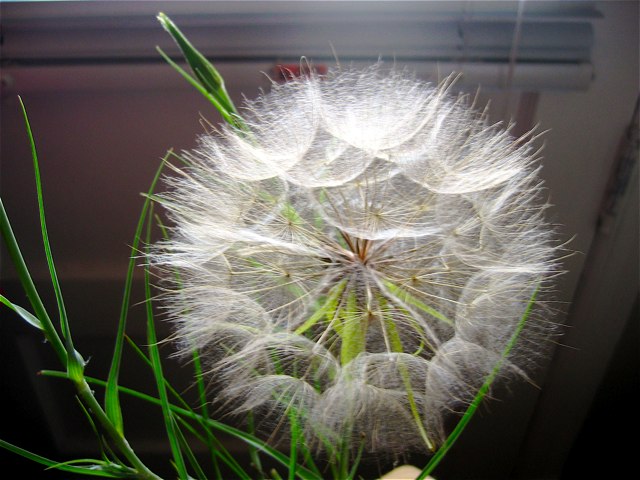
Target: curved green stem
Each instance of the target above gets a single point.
(29, 287)
(86, 395)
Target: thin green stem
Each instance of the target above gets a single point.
(293, 450)
(112, 400)
(302, 473)
(184, 445)
(197, 366)
(154, 354)
(484, 389)
(253, 452)
(121, 443)
(29, 287)
(92, 467)
(356, 461)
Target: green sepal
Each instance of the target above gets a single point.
(207, 76)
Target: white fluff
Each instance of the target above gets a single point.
(360, 258)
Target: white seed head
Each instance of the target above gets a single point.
(361, 258)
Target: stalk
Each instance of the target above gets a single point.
(121, 443)
(29, 287)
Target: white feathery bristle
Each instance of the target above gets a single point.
(361, 257)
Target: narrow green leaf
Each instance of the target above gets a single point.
(223, 454)
(198, 374)
(112, 400)
(75, 363)
(154, 353)
(356, 461)
(94, 429)
(253, 452)
(296, 439)
(26, 315)
(275, 475)
(343, 460)
(249, 439)
(96, 468)
(484, 389)
(217, 448)
(308, 458)
(208, 80)
(301, 472)
(29, 287)
(204, 409)
(191, 458)
(119, 441)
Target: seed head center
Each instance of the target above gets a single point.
(358, 250)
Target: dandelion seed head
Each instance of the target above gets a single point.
(360, 258)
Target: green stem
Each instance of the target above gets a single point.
(154, 354)
(91, 467)
(29, 287)
(302, 473)
(86, 395)
(112, 400)
(484, 389)
(253, 452)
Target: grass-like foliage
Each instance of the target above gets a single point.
(320, 293)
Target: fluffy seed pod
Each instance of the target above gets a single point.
(360, 258)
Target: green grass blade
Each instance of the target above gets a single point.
(24, 314)
(216, 447)
(102, 444)
(149, 363)
(191, 458)
(293, 450)
(154, 353)
(198, 373)
(356, 461)
(112, 400)
(75, 363)
(119, 441)
(395, 343)
(204, 409)
(29, 287)
(484, 389)
(220, 451)
(302, 473)
(97, 469)
(308, 459)
(253, 452)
